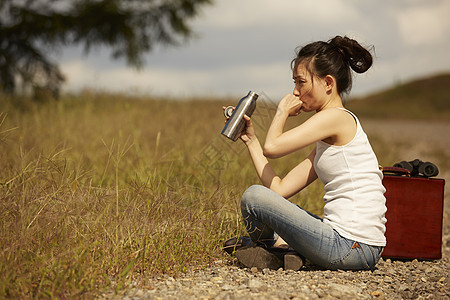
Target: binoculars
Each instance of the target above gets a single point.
(419, 168)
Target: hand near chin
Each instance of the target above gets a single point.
(291, 105)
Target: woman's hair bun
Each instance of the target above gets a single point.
(358, 57)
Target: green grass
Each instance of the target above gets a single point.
(421, 99)
(98, 191)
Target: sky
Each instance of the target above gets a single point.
(248, 45)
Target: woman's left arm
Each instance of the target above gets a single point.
(296, 180)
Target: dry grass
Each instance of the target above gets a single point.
(97, 191)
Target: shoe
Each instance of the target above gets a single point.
(271, 258)
(292, 261)
(231, 245)
(256, 256)
(276, 257)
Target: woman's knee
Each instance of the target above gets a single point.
(253, 194)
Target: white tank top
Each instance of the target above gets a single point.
(354, 194)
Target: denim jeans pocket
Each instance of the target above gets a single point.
(352, 257)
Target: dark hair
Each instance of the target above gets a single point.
(334, 58)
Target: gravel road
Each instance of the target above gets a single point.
(392, 279)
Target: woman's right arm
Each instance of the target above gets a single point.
(297, 179)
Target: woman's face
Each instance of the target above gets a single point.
(309, 88)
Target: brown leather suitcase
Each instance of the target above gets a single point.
(414, 215)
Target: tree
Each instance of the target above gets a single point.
(31, 29)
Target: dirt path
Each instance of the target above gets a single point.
(427, 135)
(427, 140)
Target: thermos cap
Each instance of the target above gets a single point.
(228, 111)
(252, 95)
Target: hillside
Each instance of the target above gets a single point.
(427, 98)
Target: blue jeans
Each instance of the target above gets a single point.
(267, 214)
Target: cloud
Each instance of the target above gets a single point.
(248, 44)
(237, 14)
(425, 23)
(180, 83)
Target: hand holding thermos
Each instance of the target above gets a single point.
(236, 122)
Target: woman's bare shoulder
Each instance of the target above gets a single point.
(331, 116)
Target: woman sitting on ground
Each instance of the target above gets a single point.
(351, 234)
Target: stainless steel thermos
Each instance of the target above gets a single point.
(236, 123)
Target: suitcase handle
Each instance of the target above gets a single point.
(395, 171)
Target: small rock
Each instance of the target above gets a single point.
(216, 279)
(376, 293)
(256, 285)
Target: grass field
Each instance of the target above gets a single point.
(98, 191)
